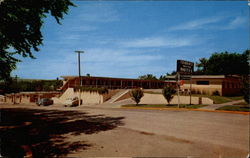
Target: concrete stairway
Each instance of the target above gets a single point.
(117, 96)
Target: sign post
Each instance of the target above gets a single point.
(190, 92)
(179, 87)
(185, 68)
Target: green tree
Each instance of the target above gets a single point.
(168, 93)
(165, 77)
(136, 95)
(201, 66)
(224, 63)
(162, 77)
(20, 24)
(148, 77)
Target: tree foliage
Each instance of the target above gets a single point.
(147, 77)
(224, 63)
(201, 66)
(168, 93)
(16, 85)
(136, 95)
(164, 77)
(20, 24)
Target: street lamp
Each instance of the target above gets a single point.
(80, 78)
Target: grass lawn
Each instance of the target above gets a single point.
(219, 99)
(165, 106)
(242, 103)
(235, 108)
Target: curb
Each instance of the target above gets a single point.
(185, 109)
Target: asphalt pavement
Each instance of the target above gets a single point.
(131, 133)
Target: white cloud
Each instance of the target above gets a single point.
(96, 61)
(83, 28)
(158, 42)
(220, 23)
(196, 24)
(236, 23)
(117, 56)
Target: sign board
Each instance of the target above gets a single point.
(181, 82)
(185, 77)
(185, 67)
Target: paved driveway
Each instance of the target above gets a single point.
(91, 132)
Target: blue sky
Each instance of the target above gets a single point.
(132, 38)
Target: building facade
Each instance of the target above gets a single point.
(214, 85)
(28, 97)
(113, 83)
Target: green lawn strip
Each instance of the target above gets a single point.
(219, 99)
(236, 98)
(235, 108)
(164, 106)
(242, 103)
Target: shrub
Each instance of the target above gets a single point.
(198, 92)
(193, 91)
(168, 93)
(101, 90)
(216, 93)
(136, 95)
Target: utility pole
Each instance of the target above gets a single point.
(80, 78)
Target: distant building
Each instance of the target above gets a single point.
(212, 84)
(28, 97)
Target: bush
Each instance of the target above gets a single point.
(136, 95)
(168, 93)
(216, 93)
(102, 90)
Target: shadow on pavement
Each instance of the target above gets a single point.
(42, 133)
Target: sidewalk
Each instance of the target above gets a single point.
(216, 106)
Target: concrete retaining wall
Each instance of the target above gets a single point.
(87, 97)
(159, 99)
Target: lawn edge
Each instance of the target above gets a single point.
(185, 109)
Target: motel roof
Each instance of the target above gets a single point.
(205, 76)
(96, 77)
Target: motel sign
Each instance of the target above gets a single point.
(185, 67)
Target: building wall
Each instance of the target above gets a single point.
(229, 86)
(159, 99)
(199, 87)
(113, 83)
(27, 98)
(87, 97)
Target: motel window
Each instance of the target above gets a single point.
(202, 82)
(129, 83)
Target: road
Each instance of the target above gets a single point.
(97, 132)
